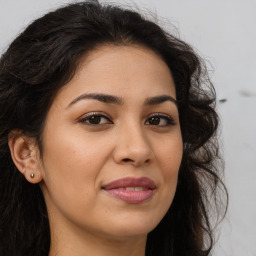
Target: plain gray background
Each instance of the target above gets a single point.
(224, 33)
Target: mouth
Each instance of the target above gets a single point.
(131, 190)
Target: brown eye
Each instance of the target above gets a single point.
(155, 120)
(160, 120)
(95, 119)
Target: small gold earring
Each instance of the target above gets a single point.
(32, 175)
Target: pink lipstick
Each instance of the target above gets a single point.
(131, 190)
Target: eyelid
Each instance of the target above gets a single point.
(90, 114)
(96, 113)
(159, 114)
(170, 121)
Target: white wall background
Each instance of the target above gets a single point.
(223, 32)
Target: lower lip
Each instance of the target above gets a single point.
(132, 197)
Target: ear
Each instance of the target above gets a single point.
(25, 155)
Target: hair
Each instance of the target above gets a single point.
(44, 58)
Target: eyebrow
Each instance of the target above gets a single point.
(160, 99)
(111, 99)
(100, 97)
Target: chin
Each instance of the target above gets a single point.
(134, 226)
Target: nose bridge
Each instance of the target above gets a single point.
(133, 145)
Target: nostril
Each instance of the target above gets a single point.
(147, 161)
(127, 160)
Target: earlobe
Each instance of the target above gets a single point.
(25, 156)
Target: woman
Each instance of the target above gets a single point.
(108, 139)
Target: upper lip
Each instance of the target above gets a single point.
(131, 182)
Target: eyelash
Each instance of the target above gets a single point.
(169, 121)
(158, 117)
(90, 116)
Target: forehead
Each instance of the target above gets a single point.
(122, 71)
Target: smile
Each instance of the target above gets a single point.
(131, 190)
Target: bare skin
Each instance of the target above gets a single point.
(131, 130)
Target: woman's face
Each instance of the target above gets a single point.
(112, 145)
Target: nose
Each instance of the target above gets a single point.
(133, 147)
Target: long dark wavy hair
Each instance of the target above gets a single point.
(44, 58)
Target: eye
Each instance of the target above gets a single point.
(95, 119)
(160, 120)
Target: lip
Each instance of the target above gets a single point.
(117, 189)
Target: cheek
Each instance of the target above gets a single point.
(169, 157)
(72, 154)
(71, 165)
(70, 169)
(169, 153)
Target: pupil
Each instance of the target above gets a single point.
(95, 119)
(154, 120)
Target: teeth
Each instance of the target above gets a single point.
(138, 188)
(130, 189)
(135, 188)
